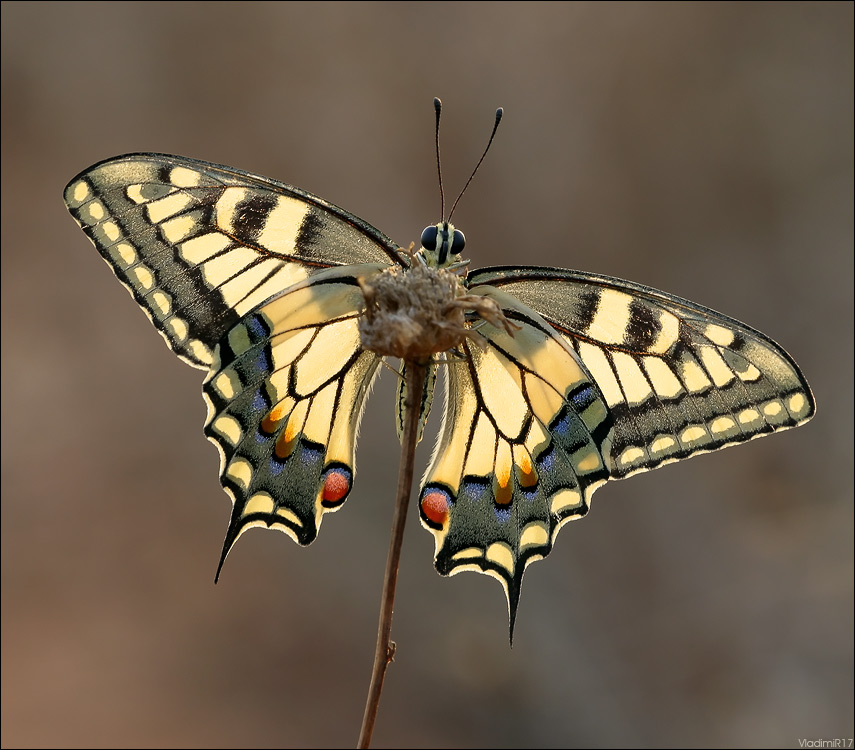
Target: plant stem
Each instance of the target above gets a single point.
(385, 651)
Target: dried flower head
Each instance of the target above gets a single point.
(418, 312)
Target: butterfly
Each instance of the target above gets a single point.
(585, 378)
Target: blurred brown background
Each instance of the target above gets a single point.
(705, 149)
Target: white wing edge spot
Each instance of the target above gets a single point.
(773, 408)
(123, 254)
(142, 278)
(468, 554)
(722, 424)
(240, 471)
(534, 534)
(161, 302)
(797, 405)
(631, 455)
(95, 210)
(290, 515)
(177, 328)
(694, 434)
(199, 350)
(226, 384)
(260, 502)
(749, 417)
(229, 428)
(500, 553)
(662, 444)
(111, 230)
(565, 499)
(80, 191)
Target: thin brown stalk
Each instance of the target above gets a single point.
(385, 650)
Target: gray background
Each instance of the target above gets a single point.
(705, 149)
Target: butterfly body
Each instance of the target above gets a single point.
(560, 380)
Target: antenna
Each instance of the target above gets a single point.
(499, 113)
(437, 105)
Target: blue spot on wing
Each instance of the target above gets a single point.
(449, 498)
(259, 401)
(474, 489)
(503, 514)
(262, 361)
(583, 398)
(546, 460)
(256, 328)
(313, 453)
(561, 425)
(338, 470)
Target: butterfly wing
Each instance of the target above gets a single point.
(285, 396)
(199, 245)
(603, 379)
(520, 450)
(678, 378)
(255, 281)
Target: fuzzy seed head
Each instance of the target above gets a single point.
(412, 313)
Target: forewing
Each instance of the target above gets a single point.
(199, 245)
(678, 378)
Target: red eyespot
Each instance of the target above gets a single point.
(336, 486)
(435, 506)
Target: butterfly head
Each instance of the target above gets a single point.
(442, 245)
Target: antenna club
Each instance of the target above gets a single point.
(437, 104)
(499, 112)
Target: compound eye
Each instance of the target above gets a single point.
(429, 238)
(458, 242)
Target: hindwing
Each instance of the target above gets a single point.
(285, 396)
(520, 451)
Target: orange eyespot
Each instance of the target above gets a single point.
(525, 471)
(274, 417)
(285, 444)
(504, 493)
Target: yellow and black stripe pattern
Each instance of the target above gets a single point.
(285, 397)
(200, 245)
(678, 379)
(605, 378)
(523, 446)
